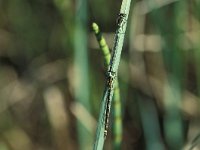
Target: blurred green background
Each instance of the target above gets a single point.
(52, 74)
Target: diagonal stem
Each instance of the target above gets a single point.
(117, 126)
(111, 76)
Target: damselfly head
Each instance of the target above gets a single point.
(120, 19)
(105, 133)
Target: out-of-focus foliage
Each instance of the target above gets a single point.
(159, 75)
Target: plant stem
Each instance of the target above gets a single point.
(102, 44)
(117, 102)
(111, 76)
(82, 91)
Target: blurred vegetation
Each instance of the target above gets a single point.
(52, 75)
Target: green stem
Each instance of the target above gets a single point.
(117, 102)
(111, 76)
(82, 91)
(102, 44)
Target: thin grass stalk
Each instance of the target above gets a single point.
(173, 128)
(175, 138)
(102, 127)
(65, 6)
(117, 125)
(147, 108)
(150, 123)
(81, 68)
(158, 17)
